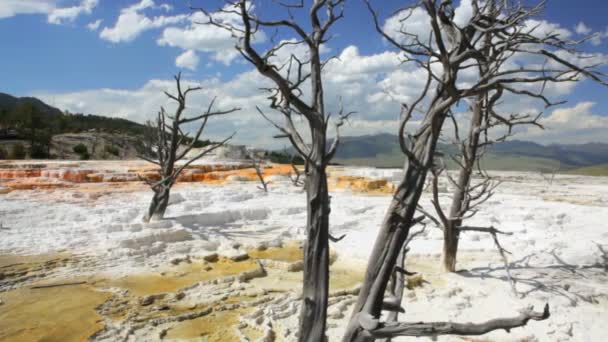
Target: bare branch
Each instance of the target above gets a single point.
(383, 330)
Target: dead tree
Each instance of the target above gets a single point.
(448, 53)
(257, 166)
(396, 285)
(485, 119)
(167, 144)
(467, 197)
(295, 179)
(289, 97)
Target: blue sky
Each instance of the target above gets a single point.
(113, 57)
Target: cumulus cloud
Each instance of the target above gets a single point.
(372, 85)
(353, 78)
(581, 28)
(132, 22)
(187, 60)
(69, 14)
(93, 26)
(55, 14)
(416, 22)
(578, 124)
(207, 38)
(9, 8)
(598, 37)
(543, 28)
(143, 103)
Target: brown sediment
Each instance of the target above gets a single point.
(20, 261)
(36, 183)
(76, 311)
(51, 314)
(290, 252)
(345, 276)
(179, 277)
(217, 326)
(58, 175)
(19, 269)
(244, 174)
(221, 324)
(363, 184)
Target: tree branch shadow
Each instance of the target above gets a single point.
(557, 279)
(229, 229)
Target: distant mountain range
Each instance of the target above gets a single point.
(382, 150)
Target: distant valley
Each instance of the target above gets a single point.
(382, 150)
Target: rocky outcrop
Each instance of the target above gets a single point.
(100, 145)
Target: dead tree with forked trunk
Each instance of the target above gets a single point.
(297, 92)
(447, 54)
(468, 196)
(485, 120)
(167, 144)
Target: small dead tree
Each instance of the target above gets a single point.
(468, 196)
(445, 56)
(257, 166)
(295, 178)
(288, 96)
(166, 144)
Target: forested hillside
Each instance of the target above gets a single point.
(28, 127)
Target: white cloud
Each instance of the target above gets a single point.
(69, 14)
(166, 7)
(93, 26)
(55, 14)
(578, 124)
(188, 60)
(373, 114)
(543, 28)
(9, 8)
(132, 22)
(418, 22)
(463, 13)
(581, 28)
(599, 37)
(207, 38)
(371, 85)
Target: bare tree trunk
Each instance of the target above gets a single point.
(451, 233)
(162, 141)
(287, 97)
(393, 233)
(450, 247)
(397, 285)
(316, 258)
(158, 205)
